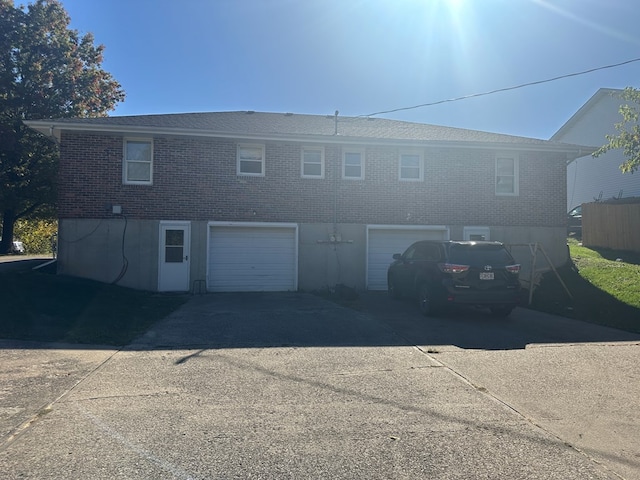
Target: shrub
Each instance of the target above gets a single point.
(37, 235)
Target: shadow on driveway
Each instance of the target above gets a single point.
(263, 320)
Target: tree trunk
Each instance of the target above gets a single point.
(8, 220)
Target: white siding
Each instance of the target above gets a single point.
(589, 178)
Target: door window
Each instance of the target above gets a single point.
(174, 246)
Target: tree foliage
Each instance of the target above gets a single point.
(628, 137)
(47, 70)
(38, 236)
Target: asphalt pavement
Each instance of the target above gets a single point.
(289, 385)
(9, 263)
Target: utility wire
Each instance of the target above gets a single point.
(503, 89)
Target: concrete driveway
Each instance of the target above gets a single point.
(293, 386)
(14, 263)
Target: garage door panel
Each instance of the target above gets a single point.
(252, 258)
(384, 242)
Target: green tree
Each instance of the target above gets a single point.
(38, 236)
(628, 137)
(47, 70)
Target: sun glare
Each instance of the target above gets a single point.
(584, 21)
(455, 5)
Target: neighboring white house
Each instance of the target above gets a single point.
(589, 178)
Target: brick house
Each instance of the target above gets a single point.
(242, 201)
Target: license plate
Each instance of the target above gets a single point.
(486, 275)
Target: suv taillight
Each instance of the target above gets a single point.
(512, 268)
(452, 268)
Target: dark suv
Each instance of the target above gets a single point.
(442, 273)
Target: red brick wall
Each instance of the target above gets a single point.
(195, 179)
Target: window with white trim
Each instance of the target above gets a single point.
(411, 166)
(312, 162)
(476, 234)
(250, 160)
(507, 182)
(353, 164)
(137, 167)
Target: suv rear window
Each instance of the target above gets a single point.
(479, 255)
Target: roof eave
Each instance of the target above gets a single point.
(583, 110)
(53, 129)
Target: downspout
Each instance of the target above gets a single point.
(52, 135)
(335, 181)
(336, 176)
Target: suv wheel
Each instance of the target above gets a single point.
(425, 301)
(391, 289)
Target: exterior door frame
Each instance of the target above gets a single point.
(174, 276)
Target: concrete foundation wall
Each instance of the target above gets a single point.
(94, 249)
(553, 240)
(327, 255)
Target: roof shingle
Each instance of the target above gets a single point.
(265, 124)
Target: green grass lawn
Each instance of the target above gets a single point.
(45, 307)
(605, 286)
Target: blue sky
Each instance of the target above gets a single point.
(365, 56)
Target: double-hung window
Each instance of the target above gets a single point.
(411, 166)
(312, 162)
(250, 160)
(137, 168)
(353, 164)
(507, 182)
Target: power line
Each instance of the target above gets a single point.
(503, 89)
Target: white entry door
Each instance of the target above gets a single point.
(173, 271)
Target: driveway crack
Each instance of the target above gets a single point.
(48, 407)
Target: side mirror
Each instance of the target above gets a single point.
(397, 256)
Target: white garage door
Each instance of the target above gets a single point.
(383, 241)
(252, 257)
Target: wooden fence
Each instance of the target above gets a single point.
(611, 225)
